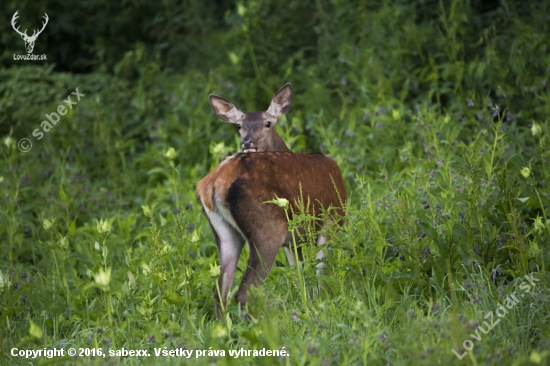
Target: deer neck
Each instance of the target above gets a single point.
(277, 143)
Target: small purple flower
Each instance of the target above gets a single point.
(496, 111)
(477, 249)
(496, 272)
(425, 203)
(481, 152)
(62, 342)
(426, 252)
(365, 116)
(470, 103)
(383, 336)
(508, 116)
(151, 339)
(435, 307)
(176, 211)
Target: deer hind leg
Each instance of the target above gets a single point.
(230, 243)
(264, 245)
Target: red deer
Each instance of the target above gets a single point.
(233, 197)
(256, 128)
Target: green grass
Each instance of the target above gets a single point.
(444, 147)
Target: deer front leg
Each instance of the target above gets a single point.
(321, 240)
(297, 235)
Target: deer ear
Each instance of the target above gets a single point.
(225, 110)
(281, 102)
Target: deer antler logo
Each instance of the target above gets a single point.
(29, 41)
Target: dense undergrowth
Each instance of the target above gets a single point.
(438, 120)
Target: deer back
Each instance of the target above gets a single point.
(243, 182)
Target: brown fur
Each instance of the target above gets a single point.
(233, 197)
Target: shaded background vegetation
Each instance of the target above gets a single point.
(431, 108)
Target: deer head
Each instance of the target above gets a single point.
(29, 41)
(256, 128)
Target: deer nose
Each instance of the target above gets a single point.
(246, 142)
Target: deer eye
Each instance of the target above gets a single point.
(268, 124)
(239, 127)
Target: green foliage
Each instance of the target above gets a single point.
(436, 112)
